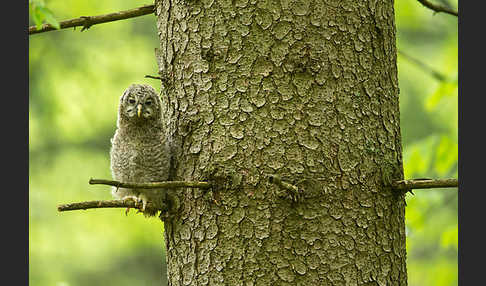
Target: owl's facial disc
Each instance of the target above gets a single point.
(139, 107)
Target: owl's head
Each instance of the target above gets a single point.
(140, 103)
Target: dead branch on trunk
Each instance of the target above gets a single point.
(152, 185)
(103, 204)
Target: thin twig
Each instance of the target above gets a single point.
(103, 204)
(152, 185)
(435, 74)
(425, 184)
(154, 77)
(398, 185)
(87, 21)
(438, 8)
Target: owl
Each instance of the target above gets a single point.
(140, 149)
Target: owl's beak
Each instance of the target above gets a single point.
(139, 110)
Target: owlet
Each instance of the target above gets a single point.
(140, 150)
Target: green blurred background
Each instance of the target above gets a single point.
(75, 80)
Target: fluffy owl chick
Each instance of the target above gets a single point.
(140, 149)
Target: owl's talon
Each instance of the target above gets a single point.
(126, 211)
(144, 201)
(134, 199)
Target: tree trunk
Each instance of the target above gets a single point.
(306, 90)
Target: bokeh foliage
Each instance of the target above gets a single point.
(429, 126)
(75, 80)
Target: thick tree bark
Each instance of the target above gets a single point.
(306, 90)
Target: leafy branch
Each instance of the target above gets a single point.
(39, 12)
(87, 21)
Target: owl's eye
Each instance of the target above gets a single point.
(148, 102)
(131, 101)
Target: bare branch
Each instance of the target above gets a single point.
(154, 77)
(152, 185)
(87, 21)
(425, 184)
(438, 8)
(292, 190)
(398, 185)
(103, 204)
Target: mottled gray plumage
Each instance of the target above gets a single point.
(140, 149)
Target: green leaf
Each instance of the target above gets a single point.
(49, 17)
(36, 13)
(39, 13)
(37, 17)
(51, 20)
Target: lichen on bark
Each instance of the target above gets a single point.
(303, 89)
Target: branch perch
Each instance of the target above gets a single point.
(87, 21)
(102, 204)
(292, 190)
(438, 8)
(425, 184)
(153, 185)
